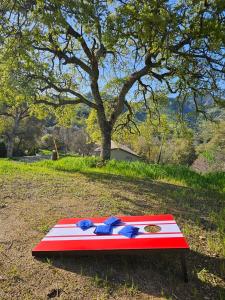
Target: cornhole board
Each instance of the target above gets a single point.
(65, 237)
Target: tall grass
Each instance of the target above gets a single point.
(69, 164)
(13, 168)
(170, 173)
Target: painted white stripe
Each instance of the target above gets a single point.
(112, 237)
(76, 231)
(125, 223)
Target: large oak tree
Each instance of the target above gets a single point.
(75, 48)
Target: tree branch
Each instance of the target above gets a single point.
(80, 97)
(67, 60)
(5, 114)
(80, 38)
(60, 103)
(129, 120)
(125, 89)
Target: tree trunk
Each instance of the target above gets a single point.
(106, 133)
(12, 135)
(160, 151)
(160, 154)
(10, 146)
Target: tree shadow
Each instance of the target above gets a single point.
(187, 204)
(155, 274)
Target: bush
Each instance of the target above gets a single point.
(47, 142)
(18, 152)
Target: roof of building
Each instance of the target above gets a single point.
(115, 145)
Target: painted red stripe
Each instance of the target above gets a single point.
(130, 244)
(123, 219)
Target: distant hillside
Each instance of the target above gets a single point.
(188, 109)
(173, 107)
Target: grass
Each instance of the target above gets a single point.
(172, 173)
(209, 156)
(45, 152)
(180, 175)
(35, 195)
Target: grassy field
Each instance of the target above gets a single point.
(34, 196)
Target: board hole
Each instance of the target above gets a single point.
(152, 228)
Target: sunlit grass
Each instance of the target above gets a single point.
(179, 175)
(174, 174)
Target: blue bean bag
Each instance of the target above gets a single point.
(85, 224)
(113, 221)
(103, 229)
(129, 231)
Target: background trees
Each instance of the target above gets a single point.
(11, 117)
(21, 122)
(210, 145)
(14, 103)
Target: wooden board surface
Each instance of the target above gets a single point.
(65, 236)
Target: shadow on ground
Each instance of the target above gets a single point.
(155, 274)
(188, 205)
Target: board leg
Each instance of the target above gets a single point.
(184, 266)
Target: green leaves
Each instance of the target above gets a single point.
(67, 49)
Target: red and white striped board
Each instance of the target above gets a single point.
(65, 236)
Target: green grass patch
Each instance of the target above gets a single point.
(174, 174)
(45, 152)
(11, 167)
(209, 155)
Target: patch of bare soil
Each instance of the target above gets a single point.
(30, 205)
(200, 165)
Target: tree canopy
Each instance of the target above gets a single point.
(73, 48)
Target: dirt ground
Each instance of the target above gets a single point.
(30, 204)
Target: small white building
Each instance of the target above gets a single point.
(120, 152)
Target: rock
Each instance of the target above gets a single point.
(53, 293)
